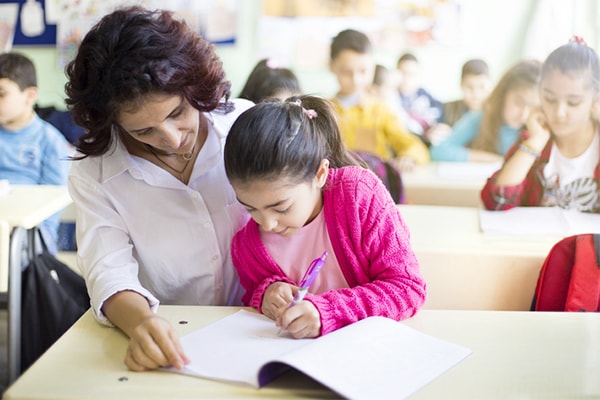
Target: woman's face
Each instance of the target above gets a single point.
(567, 101)
(168, 123)
(518, 103)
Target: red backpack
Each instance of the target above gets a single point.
(570, 276)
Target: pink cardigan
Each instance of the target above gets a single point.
(371, 243)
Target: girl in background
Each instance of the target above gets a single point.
(289, 168)
(556, 160)
(269, 80)
(487, 135)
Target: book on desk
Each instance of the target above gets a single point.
(376, 357)
(539, 221)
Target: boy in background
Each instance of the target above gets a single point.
(420, 105)
(32, 151)
(475, 84)
(367, 124)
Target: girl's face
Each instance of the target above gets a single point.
(567, 102)
(166, 122)
(518, 103)
(281, 207)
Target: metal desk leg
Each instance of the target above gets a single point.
(19, 234)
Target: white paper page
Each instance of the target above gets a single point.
(235, 347)
(538, 221)
(467, 170)
(376, 358)
(579, 223)
(373, 358)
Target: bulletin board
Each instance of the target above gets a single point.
(47, 37)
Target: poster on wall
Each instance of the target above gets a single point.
(8, 24)
(64, 22)
(298, 32)
(30, 27)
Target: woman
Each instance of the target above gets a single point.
(155, 211)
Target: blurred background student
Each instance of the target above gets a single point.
(269, 80)
(418, 102)
(556, 161)
(475, 85)
(367, 123)
(485, 136)
(33, 152)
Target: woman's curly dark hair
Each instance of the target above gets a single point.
(134, 52)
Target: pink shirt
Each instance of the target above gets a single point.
(294, 254)
(371, 244)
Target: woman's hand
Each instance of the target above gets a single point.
(153, 344)
(301, 321)
(277, 298)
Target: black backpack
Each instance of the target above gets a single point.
(53, 297)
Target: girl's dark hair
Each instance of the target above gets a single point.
(288, 139)
(134, 52)
(574, 58)
(524, 74)
(267, 80)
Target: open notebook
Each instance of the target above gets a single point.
(371, 359)
(539, 221)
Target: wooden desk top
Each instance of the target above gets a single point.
(447, 183)
(29, 205)
(515, 355)
(453, 228)
(466, 269)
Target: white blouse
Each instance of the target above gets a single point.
(141, 229)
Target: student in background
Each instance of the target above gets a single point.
(367, 123)
(32, 151)
(269, 80)
(290, 169)
(556, 161)
(385, 87)
(155, 212)
(485, 136)
(475, 85)
(421, 105)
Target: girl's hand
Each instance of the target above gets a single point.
(154, 344)
(301, 321)
(539, 132)
(277, 298)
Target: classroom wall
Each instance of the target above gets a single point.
(498, 31)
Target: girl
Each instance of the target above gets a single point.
(290, 169)
(268, 80)
(556, 161)
(486, 135)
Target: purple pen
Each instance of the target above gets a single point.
(309, 277)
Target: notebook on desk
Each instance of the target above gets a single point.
(374, 358)
(538, 221)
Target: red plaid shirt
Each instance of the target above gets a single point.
(530, 191)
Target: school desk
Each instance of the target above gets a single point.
(22, 208)
(467, 269)
(515, 355)
(447, 183)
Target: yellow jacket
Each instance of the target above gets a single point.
(373, 127)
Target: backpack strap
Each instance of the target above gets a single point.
(584, 287)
